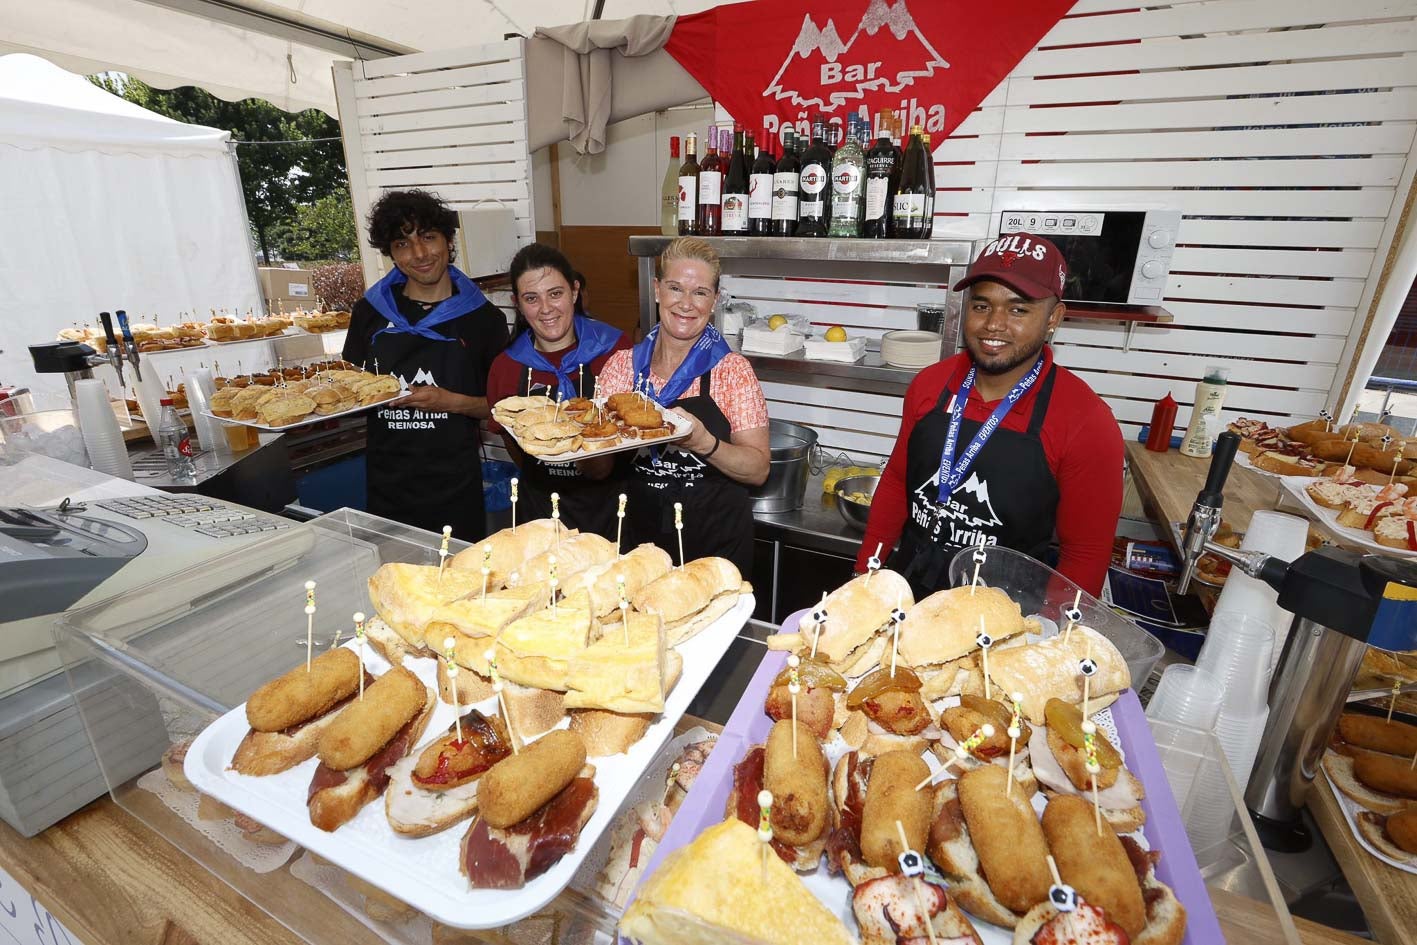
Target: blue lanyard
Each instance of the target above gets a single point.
(952, 473)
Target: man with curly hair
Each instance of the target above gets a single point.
(430, 326)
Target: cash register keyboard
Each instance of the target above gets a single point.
(197, 513)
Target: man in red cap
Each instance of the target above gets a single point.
(999, 445)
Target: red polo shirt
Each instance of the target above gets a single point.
(1081, 440)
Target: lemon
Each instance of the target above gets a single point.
(776, 322)
(836, 333)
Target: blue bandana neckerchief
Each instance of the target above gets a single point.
(593, 338)
(467, 298)
(702, 358)
(951, 472)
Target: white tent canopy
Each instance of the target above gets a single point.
(278, 50)
(108, 206)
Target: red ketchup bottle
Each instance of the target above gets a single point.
(1163, 421)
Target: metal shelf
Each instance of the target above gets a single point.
(902, 252)
(870, 374)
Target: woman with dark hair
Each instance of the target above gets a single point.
(429, 325)
(560, 350)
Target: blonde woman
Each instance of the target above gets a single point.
(685, 365)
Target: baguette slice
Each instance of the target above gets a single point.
(266, 753)
(532, 711)
(1339, 769)
(334, 805)
(472, 687)
(387, 643)
(609, 733)
(414, 812)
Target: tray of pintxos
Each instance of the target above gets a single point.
(563, 432)
(469, 748)
(900, 775)
(1381, 518)
(1369, 764)
(1319, 448)
(276, 401)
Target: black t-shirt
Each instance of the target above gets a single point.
(483, 333)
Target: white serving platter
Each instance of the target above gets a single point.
(312, 418)
(1327, 519)
(680, 425)
(246, 341)
(423, 872)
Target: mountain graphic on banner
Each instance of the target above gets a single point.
(818, 59)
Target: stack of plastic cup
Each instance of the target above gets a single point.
(1281, 536)
(1186, 695)
(1237, 653)
(102, 438)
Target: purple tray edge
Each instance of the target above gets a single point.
(749, 725)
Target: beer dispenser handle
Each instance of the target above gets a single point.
(1205, 514)
(130, 345)
(113, 351)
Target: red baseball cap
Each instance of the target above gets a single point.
(1030, 265)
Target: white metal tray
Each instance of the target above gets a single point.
(1327, 519)
(423, 872)
(312, 418)
(680, 425)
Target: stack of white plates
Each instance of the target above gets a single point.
(911, 349)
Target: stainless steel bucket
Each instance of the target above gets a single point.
(791, 445)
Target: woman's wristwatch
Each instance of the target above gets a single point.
(714, 449)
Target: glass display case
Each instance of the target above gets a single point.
(156, 665)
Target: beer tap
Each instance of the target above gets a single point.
(129, 345)
(1342, 602)
(114, 354)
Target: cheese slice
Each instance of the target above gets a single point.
(626, 670)
(482, 618)
(537, 650)
(407, 596)
(721, 888)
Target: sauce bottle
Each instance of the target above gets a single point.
(1163, 421)
(1205, 415)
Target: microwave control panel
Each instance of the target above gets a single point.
(1113, 255)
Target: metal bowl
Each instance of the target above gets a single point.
(855, 513)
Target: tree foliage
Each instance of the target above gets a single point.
(319, 231)
(283, 181)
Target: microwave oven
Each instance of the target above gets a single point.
(1114, 256)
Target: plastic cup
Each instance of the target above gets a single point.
(1239, 734)
(1186, 695)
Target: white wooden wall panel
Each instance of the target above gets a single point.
(1279, 128)
(452, 122)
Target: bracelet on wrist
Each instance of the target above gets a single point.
(713, 449)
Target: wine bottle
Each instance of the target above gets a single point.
(848, 167)
(909, 215)
(710, 187)
(760, 189)
(689, 187)
(880, 175)
(786, 188)
(813, 209)
(735, 190)
(669, 192)
(927, 228)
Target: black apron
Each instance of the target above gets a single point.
(425, 469)
(587, 504)
(1008, 498)
(718, 512)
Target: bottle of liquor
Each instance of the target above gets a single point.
(669, 192)
(786, 188)
(689, 187)
(927, 228)
(710, 187)
(814, 209)
(735, 190)
(760, 189)
(908, 217)
(848, 173)
(880, 175)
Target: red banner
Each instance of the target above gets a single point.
(777, 62)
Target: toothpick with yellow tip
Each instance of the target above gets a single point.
(551, 560)
(794, 686)
(1015, 732)
(514, 505)
(1089, 748)
(491, 657)
(309, 623)
(624, 607)
(619, 522)
(765, 825)
(486, 569)
(961, 752)
(359, 635)
(453, 684)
